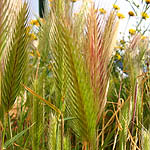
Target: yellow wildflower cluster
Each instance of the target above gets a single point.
(131, 13)
(116, 7)
(144, 15)
(120, 16)
(132, 31)
(102, 11)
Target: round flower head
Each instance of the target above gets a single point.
(120, 16)
(122, 42)
(132, 31)
(147, 1)
(143, 37)
(102, 11)
(118, 56)
(116, 7)
(144, 15)
(131, 13)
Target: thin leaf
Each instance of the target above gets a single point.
(16, 137)
(45, 101)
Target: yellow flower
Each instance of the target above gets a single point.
(144, 15)
(50, 0)
(132, 31)
(116, 7)
(131, 13)
(143, 37)
(102, 11)
(119, 47)
(120, 16)
(118, 56)
(147, 1)
(34, 22)
(31, 54)
(122, 42)
(28, 29)
(32, 36)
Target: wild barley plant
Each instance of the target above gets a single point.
(13, 58)
(79, 48)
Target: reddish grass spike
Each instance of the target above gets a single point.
(100, 33)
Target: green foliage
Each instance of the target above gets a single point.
(16, 137)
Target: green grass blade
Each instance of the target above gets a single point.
(12, 140)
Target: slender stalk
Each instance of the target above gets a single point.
(103, 124)
(62, 132)
(35, 119)
(139, 24)
(43, 113)
(134, 109)
(0, 81)
(35, 129)
(4, 130)
(10, 130)
(1, 129)
(57, 135)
